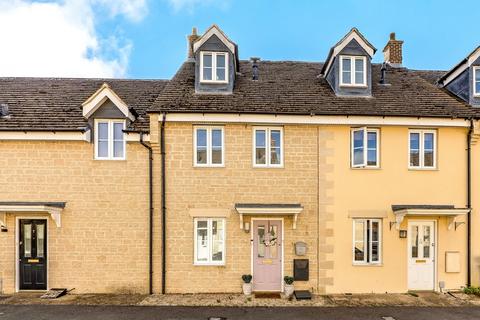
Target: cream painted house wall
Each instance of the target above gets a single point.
(375, 190)
(476, 212)
(102, 244)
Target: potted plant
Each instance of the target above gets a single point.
(288, 288)
(247, 284)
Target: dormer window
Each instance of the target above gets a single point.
(214, 67)
(353, 71)
(476, 81)
(109, 139)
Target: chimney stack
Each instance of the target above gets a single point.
(393, 51)
(191, 40)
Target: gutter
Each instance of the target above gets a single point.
(83, 129)
(469, 204)
(150, 207)
(164, 209)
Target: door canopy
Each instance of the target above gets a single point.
(449, 211)
(54, 209)
(269, 210)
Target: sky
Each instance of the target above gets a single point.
(146, 39)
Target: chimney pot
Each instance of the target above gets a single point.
(393, 51)
(254, 61)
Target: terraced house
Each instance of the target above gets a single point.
(349, 175)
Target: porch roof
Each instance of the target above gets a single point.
(52, 208)
(449, 211)
(269, 209)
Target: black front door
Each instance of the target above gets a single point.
(33, 254)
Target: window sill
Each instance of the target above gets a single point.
(213, 82)
(422, 169)
(208, 166)
(268, 167)
(367, 264)
(197, 264)
(365, 168)
(346, 85)
(110, 159)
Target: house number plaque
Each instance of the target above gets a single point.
(267, 261)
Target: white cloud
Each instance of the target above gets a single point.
(135, 10)
(59, 39)
(190, 5)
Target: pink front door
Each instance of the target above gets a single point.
(267, 255)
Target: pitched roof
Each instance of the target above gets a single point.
(431, 76)
(56, 104)
(296, 88)
(459, 67)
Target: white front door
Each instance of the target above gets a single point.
(421, 255)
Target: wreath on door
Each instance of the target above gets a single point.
(273, 239)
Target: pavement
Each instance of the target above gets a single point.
(420, 299)
(80, 312)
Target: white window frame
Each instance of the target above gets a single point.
(268, 155)
(475, 70)
(209, 262)
(421, 161)
(364, 164)
(209, 130)
(367, 259)
(353, 71)
(214, 66)
(110, 123)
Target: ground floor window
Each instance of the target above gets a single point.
(367, 241)
(209, 241)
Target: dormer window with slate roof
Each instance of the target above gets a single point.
(216, 61)
(348, 68)
(463, 80)
(108, 116)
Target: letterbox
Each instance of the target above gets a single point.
(300, 269)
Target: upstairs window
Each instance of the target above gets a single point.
(476, 81)
(209, 149)
(422, 149)
(109, 139)
(353, 71)
(367, 241)
(365, 148)
(268, 147)
(214, 67)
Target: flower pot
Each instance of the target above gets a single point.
(247, 289)
(288, 290)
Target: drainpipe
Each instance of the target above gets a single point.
(469, 202)
(164, 209)
(150, 207)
